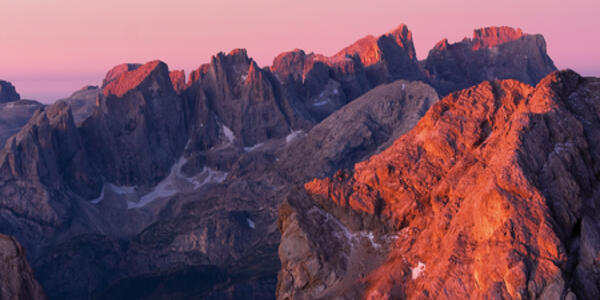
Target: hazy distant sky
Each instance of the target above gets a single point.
(50, 48)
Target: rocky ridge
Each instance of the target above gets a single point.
(493, 53)
(190, 174)
(492, 194)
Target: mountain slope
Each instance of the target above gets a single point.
(153, 178)
(16, 279)
(492, 194)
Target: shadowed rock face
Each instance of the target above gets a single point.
(357, 130)
(138, 126)
(492, 194)
(14, 115)
(16, 279)
(246, 99)
(493, 53)
(8, 92)
(320, 85)
(232, 226)
(40, 166)
(83, 103)
(388, 57)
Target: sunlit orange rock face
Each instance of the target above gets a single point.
(117, 70)
(178, 80)
(370, 48)
(493, 36)
(391, 55)
(129, 80)
(493, 195)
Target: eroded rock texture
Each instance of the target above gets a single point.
(494, 194)
(16, 278)
(492, 53)
(150, 184)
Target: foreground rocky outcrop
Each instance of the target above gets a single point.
(494, 194)
(16, 278)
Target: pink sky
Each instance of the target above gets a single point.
(52, 48)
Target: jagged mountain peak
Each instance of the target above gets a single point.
(369, 47)
(164, 175)
(493, 53)
(131, 80)
(117, 70)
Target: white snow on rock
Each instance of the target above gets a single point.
(321, 102)
(250, 223)
(228, 133)
(97, 200)
(294, 135)
(177, 182)
(252, 148)
(121, 190)
(207, 176)
(418, 270)
(354, 238)
(114, 189)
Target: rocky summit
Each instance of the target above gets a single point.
(157, 186)
(493, 194)
(493, 53)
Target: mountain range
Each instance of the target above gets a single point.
(153, 185)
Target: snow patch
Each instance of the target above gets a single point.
(353, 238)
(560, 147)
(115, 189)
(250, 223)
(228, 133)
(252, 148)
(293, 135)
(369, 235)
(97, 200)
(321, 103)
(172, 184)
(209, 176)
(121, 190)
(418, 270)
